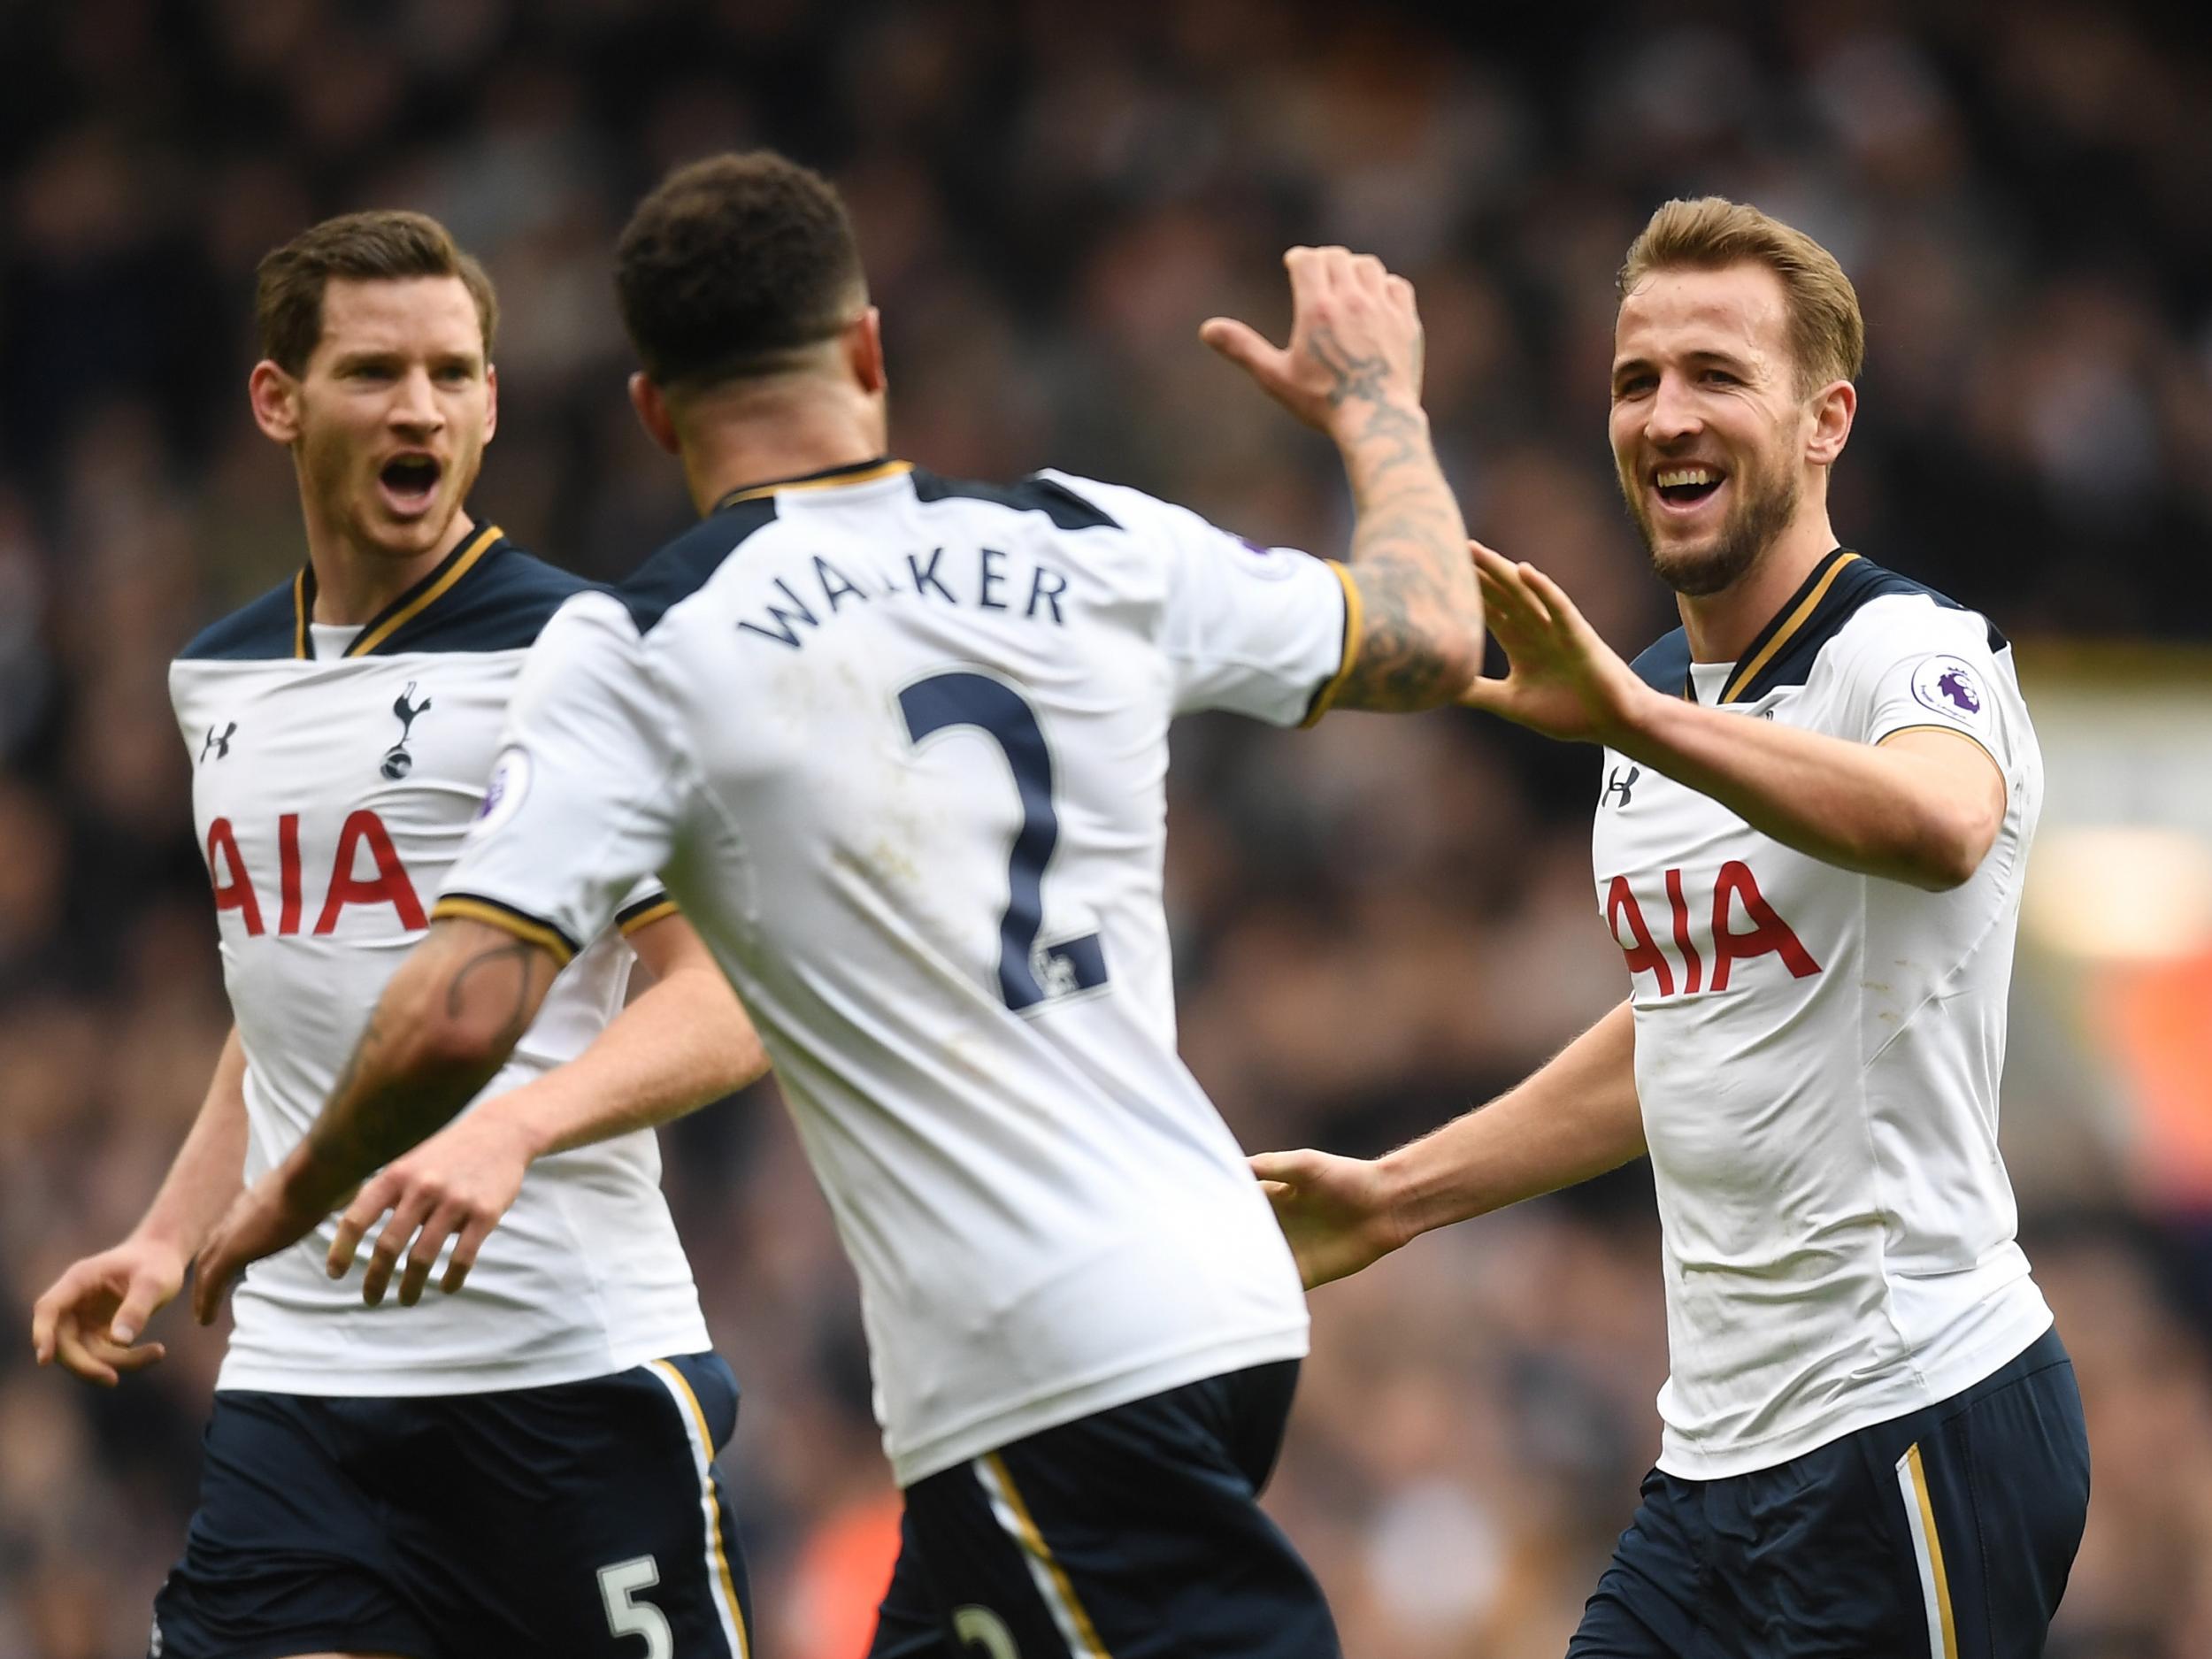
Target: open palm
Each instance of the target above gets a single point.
(1562, 680)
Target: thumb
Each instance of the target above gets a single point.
(145, 1297)
(1239, 343)
(1292, 1169)
(1492, 696)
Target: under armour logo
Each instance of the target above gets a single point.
(397, 761)
(218, 741)
(1614, 781)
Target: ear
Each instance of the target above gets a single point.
(863, 352)
(491, 401)
(275, 396)
(651, 405)
(1833, 410)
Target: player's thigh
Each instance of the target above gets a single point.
(287, 1553)
(1998, 1504)
(588, 1520)
(1135, 1532)
(1646, 1603)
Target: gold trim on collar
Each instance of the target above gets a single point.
(461, 565)
(865, 475)
(299, 613)
(1750, 672)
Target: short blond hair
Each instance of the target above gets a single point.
(1827, 333)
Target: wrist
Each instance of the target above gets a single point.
(1361, 429)
(518, 1117)
(163, 1236)
(1640, 731)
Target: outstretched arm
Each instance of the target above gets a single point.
(446, 1022)
(1924, 806)
(90, 1318)
(1575, 1118)
(683, 1041)
(1353, 370)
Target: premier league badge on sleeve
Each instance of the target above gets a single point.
(1950, 687)
(502, 795)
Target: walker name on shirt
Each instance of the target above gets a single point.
(1728, 923)
(981, 579)
(363, 833)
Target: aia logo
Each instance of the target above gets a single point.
(1735, 894)
(397, 762)
(1619, 782)
(220, 741)
(363, 833)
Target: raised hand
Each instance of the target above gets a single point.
(90, 1318)
(1562, 680)
(455, 1185)
(1355, 341)
(1334, 1211)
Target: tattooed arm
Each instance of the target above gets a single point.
(1353, 370)
(445, 1024)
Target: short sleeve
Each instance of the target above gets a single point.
(1264, 632)
(1914, 662)
(584, 799)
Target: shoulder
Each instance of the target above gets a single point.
(264, 628)
(680, 568)
(501, 602)
(1887, 614)
(1664, 664)
(1071, 502)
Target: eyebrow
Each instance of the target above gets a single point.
(1727, 359)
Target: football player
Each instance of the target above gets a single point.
(1817, 798)
(524, 1465)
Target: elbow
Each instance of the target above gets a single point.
(1952, 851)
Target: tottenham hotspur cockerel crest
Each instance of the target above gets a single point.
(397, 762)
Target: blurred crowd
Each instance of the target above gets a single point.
(1377, 923)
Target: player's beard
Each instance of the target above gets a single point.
(1765, 503)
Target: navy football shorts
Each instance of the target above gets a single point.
(580, 1521)
(1135, 1532)
(1949, 1533)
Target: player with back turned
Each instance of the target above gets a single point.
(899, 743)
(524, 1463)
(1818, 799)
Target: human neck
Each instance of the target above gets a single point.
(1720, 625)
(734, 440)
(353, 582)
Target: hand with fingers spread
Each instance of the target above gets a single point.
(1562, 680)
(1338, 1213)
(90, 1319)
(457, 1185)
(1355, 341)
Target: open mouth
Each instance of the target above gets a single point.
(1687, 485)
(410, 480)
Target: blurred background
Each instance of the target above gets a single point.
(1379, 923)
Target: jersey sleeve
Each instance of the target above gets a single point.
(584, 799)
(1912, 663)
(1265, 631)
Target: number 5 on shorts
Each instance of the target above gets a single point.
(619, 1584)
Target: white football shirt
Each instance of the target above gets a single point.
(1817, 1052)
(898, 745)
(335, 772)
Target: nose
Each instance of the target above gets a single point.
(414, 402)
(1674, 413)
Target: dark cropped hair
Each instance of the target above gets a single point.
(733, 264)
(386, 244)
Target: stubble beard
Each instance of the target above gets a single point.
(1766, 504)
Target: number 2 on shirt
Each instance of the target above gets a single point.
(963, 697)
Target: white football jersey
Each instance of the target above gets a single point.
(898, 745)
(337, 771)
(1817, 1053)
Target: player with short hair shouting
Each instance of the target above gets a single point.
(525, 1463)
(899, 743)
(1818, 796)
